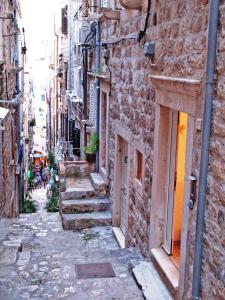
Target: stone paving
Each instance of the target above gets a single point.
(37, 260)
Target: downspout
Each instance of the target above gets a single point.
(85, 91)
(208, 107)
(98, 56)
(69, 70)
(56, 86)
(1, 190)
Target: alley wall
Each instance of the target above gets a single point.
(179, 29)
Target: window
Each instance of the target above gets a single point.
(64, 20)
(139, 166)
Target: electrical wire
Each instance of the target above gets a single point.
(105, 44)
(143, 32)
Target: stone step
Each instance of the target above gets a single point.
(77, 193)
(85, 220)
(85, 205)
(98, 184)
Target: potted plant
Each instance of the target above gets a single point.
(92, 147)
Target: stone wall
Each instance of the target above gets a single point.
(213, 273)
(9, 204)
(179, 29)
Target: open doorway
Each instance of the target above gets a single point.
(122, 171)
(103, 130)
(177, 136)
(121, 188)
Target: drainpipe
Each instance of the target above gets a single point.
(56, 52)
(1, 170)
(85, 91)
(98, 56)
(208, 107)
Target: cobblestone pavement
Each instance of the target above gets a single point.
(44, 266)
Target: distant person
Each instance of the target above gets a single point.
(44, 177)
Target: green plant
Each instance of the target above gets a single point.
(51, 160)
(93, 143)
(52, 204)
(28, 204)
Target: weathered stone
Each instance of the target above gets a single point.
(145, 278)
(98, 184)
(85, 220)
(24, 258)
(85, 205)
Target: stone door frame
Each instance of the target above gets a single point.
(125, 134)
(104, 171)
(180, 95)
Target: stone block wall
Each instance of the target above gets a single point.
(213, 272)
(179, 29)
(76, 169)
(9, 204)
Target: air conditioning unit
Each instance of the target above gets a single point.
(84, 30)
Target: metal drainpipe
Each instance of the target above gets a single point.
(1, 170)
(56, 133)
(98, 56)
(208, 107)
(69, 70)
(85, 91)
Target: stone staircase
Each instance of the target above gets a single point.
(84, 203)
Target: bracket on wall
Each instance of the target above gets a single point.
(192, 199)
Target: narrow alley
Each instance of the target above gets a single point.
(112, 149)
(38, 259)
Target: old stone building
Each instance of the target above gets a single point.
(11, 83)
(149, 65)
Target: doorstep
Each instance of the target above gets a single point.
(119, 236)
(167, 266)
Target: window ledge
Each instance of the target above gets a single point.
(167, 266)
(119, 236)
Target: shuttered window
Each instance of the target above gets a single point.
(92, 103)
(64, 20)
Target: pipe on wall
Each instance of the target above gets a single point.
(0, 170)
(98, 57)
(208, 108)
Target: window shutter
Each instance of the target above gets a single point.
(64, 20)
(92, 103)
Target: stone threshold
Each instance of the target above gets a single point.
(167, 266)
(119, 236)
(150, 282)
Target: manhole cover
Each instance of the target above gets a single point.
(97, 270)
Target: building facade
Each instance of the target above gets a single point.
(147, 73)
(11, 90)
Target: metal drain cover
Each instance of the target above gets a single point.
(97, 270)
